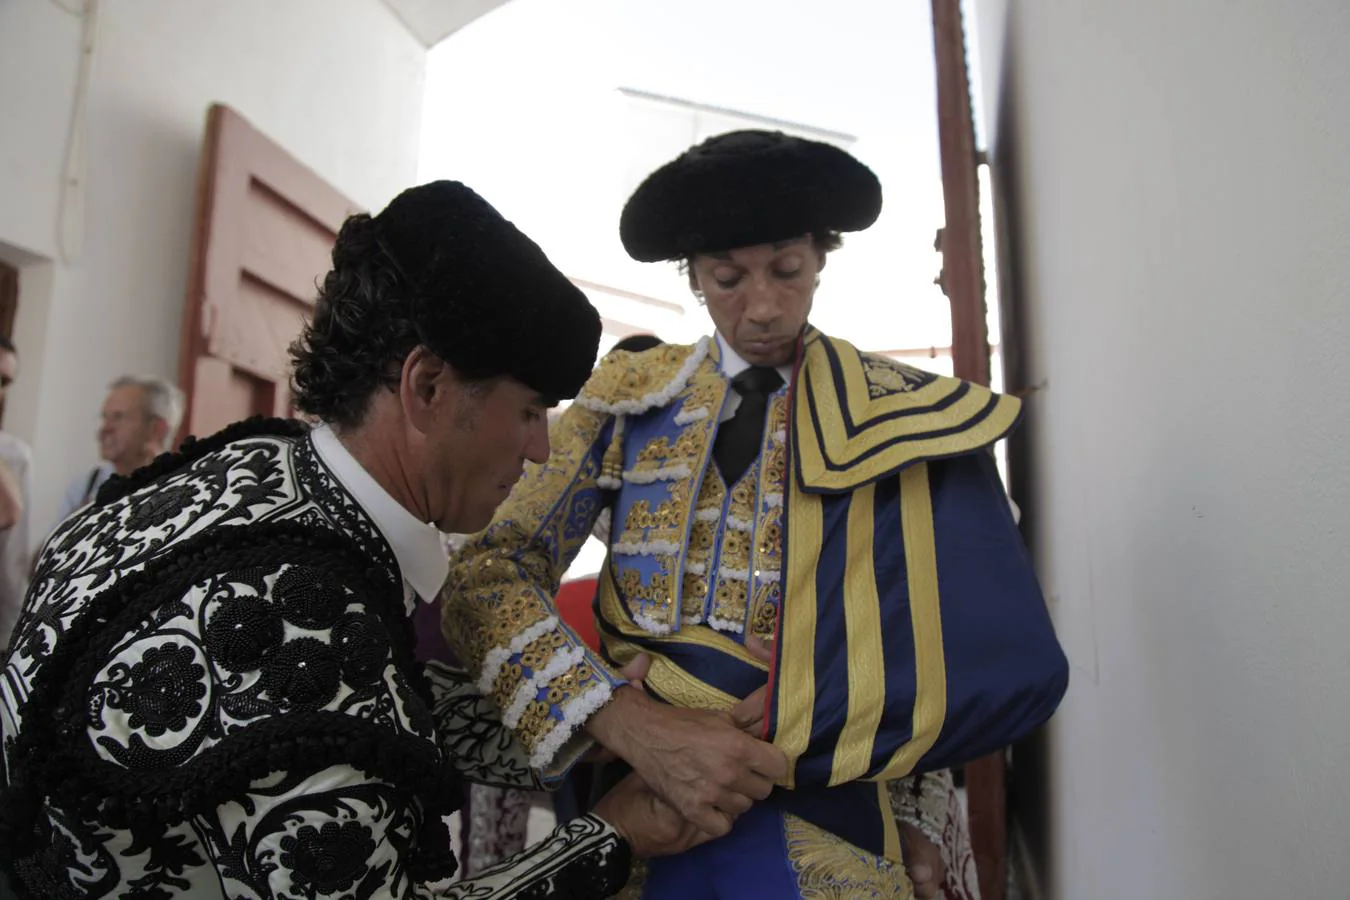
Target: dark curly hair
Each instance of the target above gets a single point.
(361, 331)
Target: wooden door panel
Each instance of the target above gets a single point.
(230, 390)
(264, 231)
(283, 245)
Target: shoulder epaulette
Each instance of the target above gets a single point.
(632, 383)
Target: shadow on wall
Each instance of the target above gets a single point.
(1029, 806)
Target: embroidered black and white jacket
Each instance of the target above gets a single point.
(212, 693)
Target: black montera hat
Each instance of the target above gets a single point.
(744, 188)
(485, 297)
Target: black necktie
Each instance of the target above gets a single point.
(738, 438)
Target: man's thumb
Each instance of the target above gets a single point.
(636, 670)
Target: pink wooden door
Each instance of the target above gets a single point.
(265, 226)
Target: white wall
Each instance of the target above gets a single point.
(1185, 218)
(336, 82)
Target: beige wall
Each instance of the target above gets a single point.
(1183, 217)
(336, 82)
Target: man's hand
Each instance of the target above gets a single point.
(923, 862)
(698, 761)
(650, 825)
(749, 713)
(633, 673)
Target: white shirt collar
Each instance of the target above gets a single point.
(417, 546)
(733, 364)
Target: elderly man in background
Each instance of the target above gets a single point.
(16, 462)
(137, 423)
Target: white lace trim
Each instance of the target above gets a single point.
(731, 574)
(650, 476)
(773, 500)
(780, 436)
(608, 483)
(562, 660)
(645, 548)
(738, 524)
(661, 397)
(650, 625)
(768, 576)
(574, 713)
(498, 656)
(690, 416)
(724, 625)
(696, 568)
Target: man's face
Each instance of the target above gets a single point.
(9, 370)
(478, 451)
(759, 297)
(128, 434)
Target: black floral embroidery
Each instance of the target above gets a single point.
(161, 691)
(309, 597)
(329, 859)
(46, 873)
(363, 644)
(204, 601)
(304, 674)
(417, 709)
(242, 632)
(171, 856)
(160, 507)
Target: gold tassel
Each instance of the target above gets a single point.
(611, 467)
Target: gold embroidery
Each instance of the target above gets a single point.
(775, 467)
(942, 417)
(665, 523)
(829, 868)
(503, 581)
(730, 596)
(535, 720)
(703, 394)
(613, 612)
(660, 452)
(490, 622)
(777, 414)
(735, 549)
(702, 537)
(698, 551)
(886, 376)
(611, 465)
(764, 619)
(629, 377)
(652, 601)
(770, 534)
(743, 494)
(671, 683)
(695, 597)
(542, 650)
(729, 601)
(653, 593)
